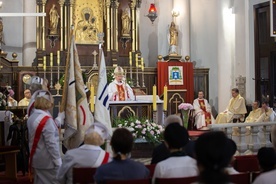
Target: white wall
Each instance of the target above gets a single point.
(29, 31)
(13, 28)
(204, 41)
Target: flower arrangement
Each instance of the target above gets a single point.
(144, 129)
(185, 106)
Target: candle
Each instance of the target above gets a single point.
(58, 57)
(142, 64)
(92, 99)
(130, 58)
(51, 59)
(44, 63)
(136, 58)
(154, 98)
(165, 98)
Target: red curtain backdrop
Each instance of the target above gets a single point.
(188, 78)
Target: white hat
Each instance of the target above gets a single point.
(119, 71)
(43, 93)
(100, 129)
(35, 80)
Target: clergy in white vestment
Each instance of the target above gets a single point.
(236, 106)
(255, 113)
(119, 90)
(90, 154)
(203, 116)
(27, 97)
(267, 113)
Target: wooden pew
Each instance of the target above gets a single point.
(9, 153)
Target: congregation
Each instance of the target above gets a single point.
(208, 158)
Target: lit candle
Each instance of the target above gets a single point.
(58, 57)
(154, 98)
(130, 58)
(92, 99)
(136, 58)
(142, 64)
(44, 63)
(165, 98)
(51, 59)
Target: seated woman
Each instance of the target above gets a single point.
(122, 167)
(88, 155)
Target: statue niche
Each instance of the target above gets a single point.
(86, 30)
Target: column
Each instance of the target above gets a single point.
(61, 3)
(107, 4)
(133, 33)
(43, 24)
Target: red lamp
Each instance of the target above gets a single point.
(152, 12)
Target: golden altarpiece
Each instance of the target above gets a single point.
(118, 20)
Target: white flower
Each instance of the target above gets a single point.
(185, 106)
(132, 124)
(152, 132)
(120, 125)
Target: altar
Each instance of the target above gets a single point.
(141, 108)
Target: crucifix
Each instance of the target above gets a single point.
(176, 102)
(94, 53)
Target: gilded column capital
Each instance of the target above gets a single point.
(107, 3)
(61, 2)
(132, 4)
(72, 2)
(44, 2)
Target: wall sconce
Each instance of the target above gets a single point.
(1, 3)
(152, 13)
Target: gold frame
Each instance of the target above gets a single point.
(95, 9)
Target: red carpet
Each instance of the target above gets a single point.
(20, 179)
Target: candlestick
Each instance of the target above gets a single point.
(165, 105)
(154, 98)
(130, 58)
(143, 76)
(58, 57)
(130, 68)
(92, 99)
(51, 59)
(44, 66)
(136, 59)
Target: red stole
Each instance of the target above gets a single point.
(121, 91)
(208, 119)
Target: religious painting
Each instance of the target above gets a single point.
(175, 75)
(88, 21)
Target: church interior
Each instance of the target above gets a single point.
(211, 46)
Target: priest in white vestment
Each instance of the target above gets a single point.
(255, 113)
(203, 116)
(27, 97)
(119, 90)
(267, 113)
(236, 106)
